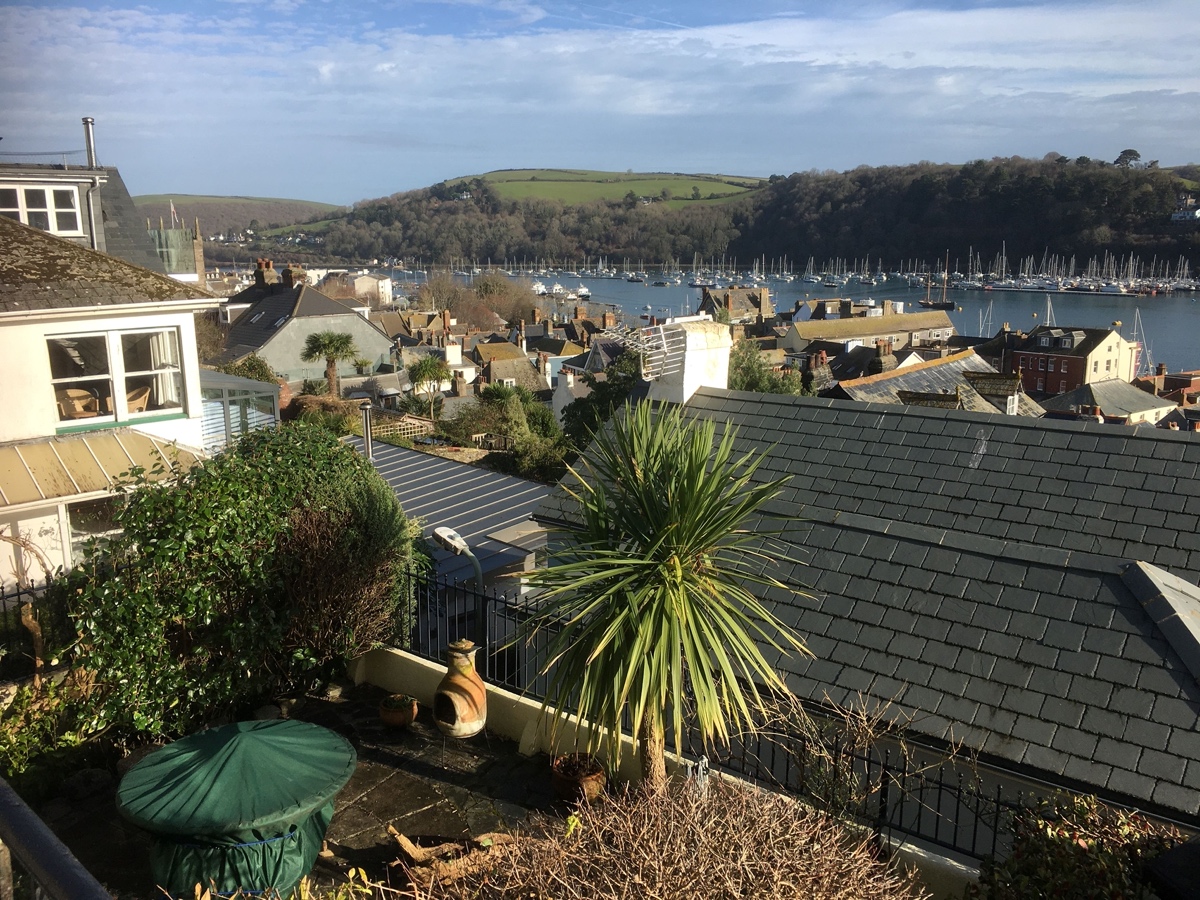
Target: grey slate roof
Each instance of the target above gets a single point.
(39, 271)
(946, 376)
(994, 577)
(1114, 397)
(254, 327)
(475, 502)
(125, 233)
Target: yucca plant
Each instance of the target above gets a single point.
(652, 583)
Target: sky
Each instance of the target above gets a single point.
(346, 100)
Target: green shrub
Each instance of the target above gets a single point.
(256, 572)
(1075, 848)
(253, 366)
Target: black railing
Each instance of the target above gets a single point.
(887, 790)
(16, 640)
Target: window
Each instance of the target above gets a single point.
(1067, 342)
(1041, 384)
(1108, 365)
(91, 520)
(115, 376)
(1095, 366)
(1050, 366)
(1044, 340)
(1062, 386)
(53, 209)
(1042, 364)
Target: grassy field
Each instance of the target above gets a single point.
(581, 185)
(204, 200)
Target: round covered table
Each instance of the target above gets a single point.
(244, 806)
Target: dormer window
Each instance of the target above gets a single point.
(1067, 342)
(52, 208)
(1044, 340)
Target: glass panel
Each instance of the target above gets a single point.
(66, 221)
(8, 198)
(11, 214)
(39, 220)
(35, 198)
(153, 377)
(75, 357)
(64, 199)
(91, 519)
(82, 385)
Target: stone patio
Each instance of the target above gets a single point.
(428, 787)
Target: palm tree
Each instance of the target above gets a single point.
(651, 586)
(428, 373)
(333, 347)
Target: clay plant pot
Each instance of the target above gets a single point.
(398, 710)
(576, 777)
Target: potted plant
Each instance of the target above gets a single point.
(577, 776)
(398, 710)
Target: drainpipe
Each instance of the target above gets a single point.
(89, 140)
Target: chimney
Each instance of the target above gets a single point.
(536, 316)
(460, 384)
(260, 278)
(446, 320)
(544, 363)
(1161, 369)
(846, 309)
(608, 319)
(89, 141)
(581, 312)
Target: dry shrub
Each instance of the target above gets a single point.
(731, 841)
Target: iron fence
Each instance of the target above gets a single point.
(880, 787)
(16, 639)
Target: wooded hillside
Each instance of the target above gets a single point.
(1079, 207)
(222, 215)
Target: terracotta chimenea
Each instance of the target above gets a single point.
(460, 703)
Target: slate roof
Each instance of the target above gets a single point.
(994, 577)
(1084, 340)
(1114, 397)
(519, 370)
(946, 376)
(867, 326)
(474, 501)
(125, 233)
(39, 271)
(257, 325)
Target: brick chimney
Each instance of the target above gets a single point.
(581, 312)
(293, 276)
(446, 320)
(608, 319)
(1161, 369)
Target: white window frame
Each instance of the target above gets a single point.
(52, 210)
(115, 407)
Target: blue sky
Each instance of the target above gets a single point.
(343, 100)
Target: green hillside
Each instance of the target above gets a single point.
(582, 186)
(224, 214)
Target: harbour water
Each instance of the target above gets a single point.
(1169, 329)
(1170, 323)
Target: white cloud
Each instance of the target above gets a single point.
(272, 96)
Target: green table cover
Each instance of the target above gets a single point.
(244, 806)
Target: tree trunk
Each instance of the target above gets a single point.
(653, 748)
(331, 377)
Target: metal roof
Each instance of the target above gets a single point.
(476, 502)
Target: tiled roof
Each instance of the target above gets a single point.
(978, 572)
(519, 370)
(39, 271)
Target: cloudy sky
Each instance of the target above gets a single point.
(343, 100)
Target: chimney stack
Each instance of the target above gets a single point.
(1161, 369)
(89, 140)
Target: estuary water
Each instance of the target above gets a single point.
(1170, 323)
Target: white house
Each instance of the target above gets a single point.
(100, 373)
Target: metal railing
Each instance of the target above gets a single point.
(40, 854)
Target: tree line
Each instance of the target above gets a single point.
(1070, 207)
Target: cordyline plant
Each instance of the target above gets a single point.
(652, 584)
